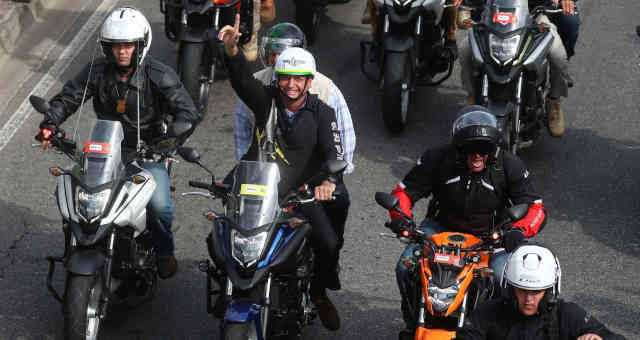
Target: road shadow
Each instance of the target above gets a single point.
(588, 178)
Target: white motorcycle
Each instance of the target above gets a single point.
(108, 256)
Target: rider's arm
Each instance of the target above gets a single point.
(575, 321)
(345, 124)
(249, 89)
(418, 183)
(477, 325)
(242, 129)
(329, 142)
(66, 103)
(181, 105)
(520, 190)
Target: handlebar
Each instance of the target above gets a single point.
(200, 185)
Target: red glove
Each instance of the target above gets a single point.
(534, 221)
(404, 202)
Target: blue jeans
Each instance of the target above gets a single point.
(429, 226)
(160, 209)
(568, 29)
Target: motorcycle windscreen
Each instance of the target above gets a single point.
(506, 16)
(255, 189)
(102, 153)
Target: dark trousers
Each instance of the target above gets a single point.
(327, 221)
(568, 29)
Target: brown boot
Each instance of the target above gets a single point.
(326, 310)
(167, 266)
(556, 117)
(367, 16)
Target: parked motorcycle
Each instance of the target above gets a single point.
(510, 67)
(453, 275)
(408, 52)
(261, 258)
(192, 23)
(108, 255)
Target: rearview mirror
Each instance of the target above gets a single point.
(334, 166)
(190, 155)
(386, 200)
(178, 128)
(517, 212)
(39, 104)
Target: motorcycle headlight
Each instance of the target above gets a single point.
(441, 298)
(247, 250)
(91, 205)
(503, 50)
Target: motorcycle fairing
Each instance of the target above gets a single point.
(435, 6)
(241, 311)
(506, 16)
(434, 334)
(255, 195)
(281, 243)
(464, 270)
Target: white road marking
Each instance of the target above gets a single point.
(48, 80)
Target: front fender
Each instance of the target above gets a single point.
(396, 43)
(85, 262)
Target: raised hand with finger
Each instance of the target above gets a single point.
(230, 36)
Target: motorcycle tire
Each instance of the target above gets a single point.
(196, 72)
(308, 18)
(396, 91)
(240, 331)
(82, 305)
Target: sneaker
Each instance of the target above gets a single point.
(555, 115)
(167, 266)
(326, 310)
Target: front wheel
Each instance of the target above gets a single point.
(197, 71)
(397, 91)
(82, 306)
(240, 331)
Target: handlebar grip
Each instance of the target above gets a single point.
(200, 185)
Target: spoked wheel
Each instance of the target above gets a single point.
(82, 306)
(240, 331)
(397, 91)
(197, 72)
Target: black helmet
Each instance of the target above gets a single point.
(475, 131)
(280, 37)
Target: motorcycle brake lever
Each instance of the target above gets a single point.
(198, 193)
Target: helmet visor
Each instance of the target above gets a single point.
(474, 118)
(271, 46)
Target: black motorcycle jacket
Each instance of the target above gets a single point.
(468, 202)
(162, 94)
(500, 320)
(304, 144)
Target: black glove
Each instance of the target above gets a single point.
(450, 50)
(512, 238)
(397, 225)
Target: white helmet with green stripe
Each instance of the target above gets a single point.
(296, 61)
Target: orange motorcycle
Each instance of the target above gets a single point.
(452, 275)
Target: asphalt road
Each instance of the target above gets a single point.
(588, 179)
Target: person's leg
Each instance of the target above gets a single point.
(325, 246)
(558, 75)
(568, 29)
(466, 69)
(159, 217)
(338, 211)
(408, 262)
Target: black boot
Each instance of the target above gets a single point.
(167, 266)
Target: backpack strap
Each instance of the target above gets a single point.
(498, 176)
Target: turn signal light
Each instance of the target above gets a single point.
(485, 272)
(295, 222)
(210, 216)
(495, 236)
(405, 233)
(55, 171)
(138, 179)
